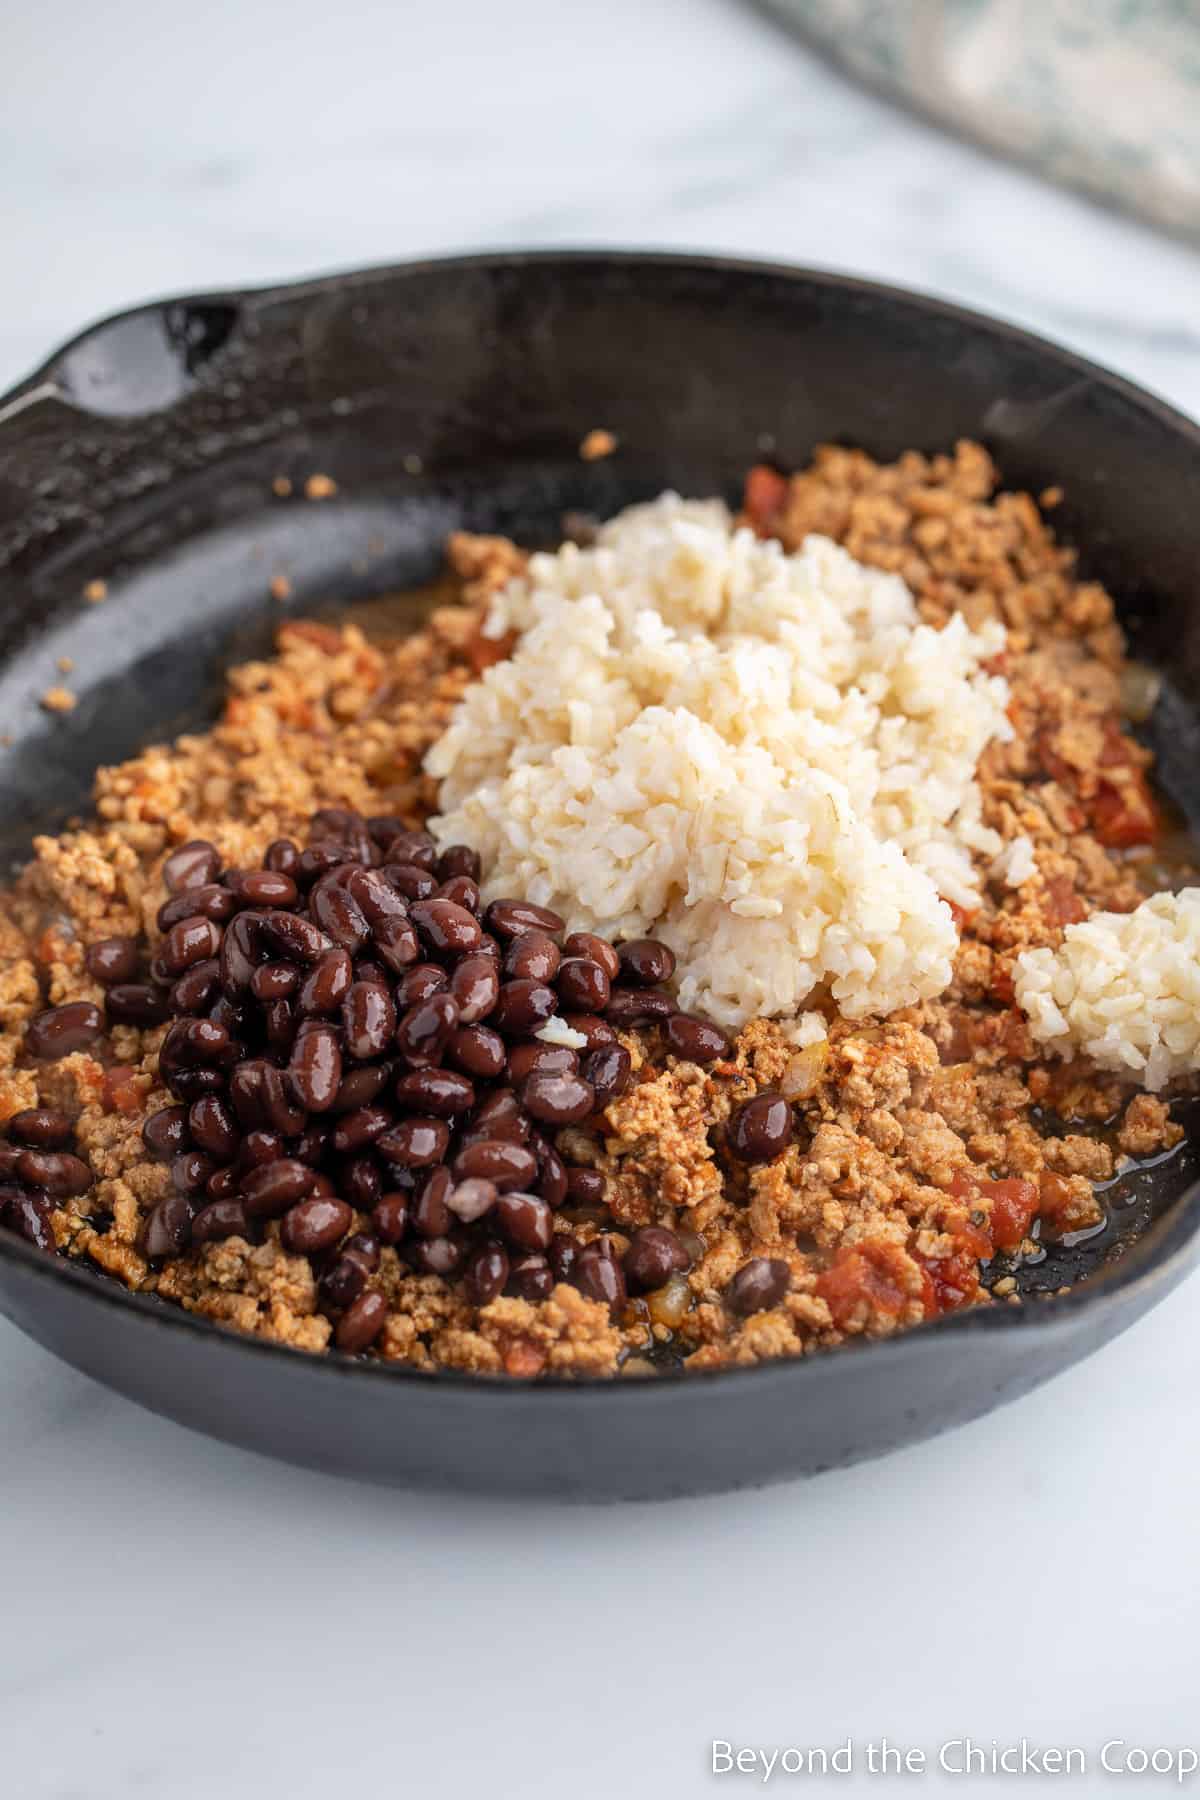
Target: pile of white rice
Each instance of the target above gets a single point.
(1124, 988)
(764, 759)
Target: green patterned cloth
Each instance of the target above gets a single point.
(1103, 94)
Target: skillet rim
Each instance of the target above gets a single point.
(1154, 1260)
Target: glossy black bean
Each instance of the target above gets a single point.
(525, 1219)
(509, 918)
(558, 1099)
(390, 1216)
(29, 1216)
(654, 1254)
(338, 914)
(375, 896)
(757, 1285)
(136, 1003)
(283, 857)
(610, 1071)
(490, 946)
(213, 901)
(41, 1126)
(449, 930)
(586, 1187)
(326, 984)
(500, 1115)
(167, 1229)
(223, 1218)
(598, 1273)
(289, 934)
(456, 860)
(245, 1093)
(423, 1031)
(696, 1040)
(508, 1165)
(419, 983)
(410, 882)
(213, 1127)
(530, 1276)
(365, 1247)
(112, 959)
(592, 1028)
(61, 1030)
(359, 1087)
(590, 948)
(761, 1129)
(476, 1051)
(355, 1130)
(628, 1006)
(57, 1171)
(395, 942)
(583, 986)
(194, 864)
(441, 1093)
(475, 987)
(368, 1020)
(241, 952)
(188, 1084)
(195, 991)
(274, 981)
(361, 1324)
(316, 1068)
(264, 887)
(563, 1255)
(415, 847)
(469, 1200)
(360, 1180)
(522, 1008)
(190, 1171)
(531, 957)
(9, 1153)
(279, 1022)
(259, 1147)
(165, 1133)
(486, 1274)
(416, 1143)
(463, 891)
(525, 1060)
(343, 1281)
(315, 1224)
(551, 1183)
(274, 1187)
(443, 1256)
(224, 1184)
(316, 861)
(283, 1110)
(645, 962)
(429, 1212)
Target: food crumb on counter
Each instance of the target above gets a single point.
(59, 700)
(66, 664)
(281, 486)
(320, 487)
(596, 444)
(281, 587)
(95, 591)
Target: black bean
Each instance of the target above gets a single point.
(463, 891)
(61, 1030)
(112, 959)
(167, 1229)
(645, 962)
(309, 1147)
(477, 1051)
(213, 901)
(136, 1003)
(360, 1086)
(490, 946)
(610, 1071)
(525, 1060)
(327, 983)
(274, 1187)
(475, 987)
(558, 1099)
(629, 1006)
(361, 1324)
(523, 1007)
(368, 1020)
(316, 1068)
(245, 1093)
(355, 1130)
(264, 887)
(530, 1276)
(429, 1211)
(586, 1187)
(365, 1247)
(390, 1216)
(60, 1173)
(509, 918)
(415, 847)
(224, 1184)
(409, 881)
(360, 1179)
(288, 934)
(343, 1281)
(375, 897)
(696, 1040)
(315, 1224)
(562, 1256)
(471, 1199)
(508, 1165)
(552, 1172)
(442, 1093)
(422, 1033)
(336, 822)
(280, 1022)
(525, 1219)
(274, 981)
(760, 1130)
(501, 1115)
(318, 860)
(193, 865)
(395, 942)
(758, 1284)
(595, 1030)
(165, 1133)
(283, 857)
(583, 985)
(338, 913)
(420, 982)
(225, 1218)
(416, 1143)
(595, 949)
(213, 1128)
(195, 991)
(259, 1147)
(29, 1216)
(449, 930)
(190, 1171)
(486, 1274)
(598, 1273)
(281, 1105)
(653, 1255)
(241, 952)
(531, 957)
(456, 860)
(438, 1256)
(41, 1127)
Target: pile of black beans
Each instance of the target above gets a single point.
(38, 1168)
(351, 1032)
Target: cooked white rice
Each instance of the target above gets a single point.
(764, 759)
(1123, 987)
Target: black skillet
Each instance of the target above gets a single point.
(456, 393)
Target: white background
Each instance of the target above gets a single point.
(182, 1620)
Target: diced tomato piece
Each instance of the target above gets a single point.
(1014, 1203)
(1063, 905)
(861, 1276)
(482, 651)
(766, 491)
(1125, 816)
(953, 1282)
(1055, 1199)
(119, 1091)
(1001, 987)
(962, 918)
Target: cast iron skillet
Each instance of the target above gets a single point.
(455, 394)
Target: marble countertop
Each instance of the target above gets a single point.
(187, 1621)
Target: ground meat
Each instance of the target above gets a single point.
(920, 1151)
